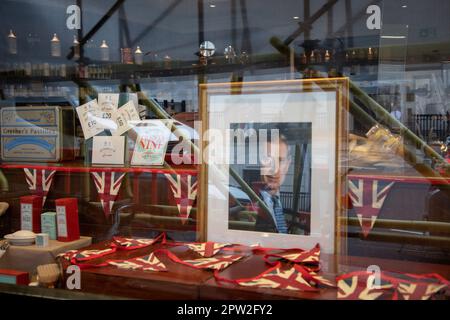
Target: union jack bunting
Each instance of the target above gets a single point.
(416, 287)
(207, 249)
(184, 190)
(298, 255)
(108, 185)
(357, 286)
(215, 263)
(367, 196)
(39, 181)
(145, 263)
(132, 244)
(84, 255)
(294, 278)
(418, 291)
(318, 279)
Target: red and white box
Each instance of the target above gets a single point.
(14, 277)
(30, 213)
(67, 219)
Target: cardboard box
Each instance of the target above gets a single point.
(48, 224)
(37, 134)
(14, 277)
(30, 213)
(67, 219)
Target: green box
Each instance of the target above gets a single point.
(48, 224)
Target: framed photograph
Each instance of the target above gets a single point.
(272, 163)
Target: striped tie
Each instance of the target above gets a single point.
(279, 215)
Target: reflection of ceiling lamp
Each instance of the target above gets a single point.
(138, 56)
(104, 51)
(12, 43)
(76, 48)
(207, 49)
(55, 46)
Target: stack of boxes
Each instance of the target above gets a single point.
(61, 225)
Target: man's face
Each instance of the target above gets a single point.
(273, 172)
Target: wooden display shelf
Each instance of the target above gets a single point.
(184, 282)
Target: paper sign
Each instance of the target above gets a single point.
(108, 150)
(90, 119)
(124, 116)
(151, 144)
(108, 103)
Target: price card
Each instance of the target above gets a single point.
(124, 115)
(151, 144)
(90, 119)
(108, 150)
(108, 103)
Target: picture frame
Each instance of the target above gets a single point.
(318, 104)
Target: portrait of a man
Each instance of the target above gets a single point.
(273, 195)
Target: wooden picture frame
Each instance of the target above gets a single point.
(321, 102)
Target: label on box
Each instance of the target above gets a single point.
(151, 144)
(61, 221)
(26, 212)
(124, 115)
(108, 150)
(90, 119)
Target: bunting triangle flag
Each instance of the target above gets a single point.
(108, 186)
(415, 286)
(311, 257)
(184, 190)
(293, 278)
(361, 285)
(207, 249)
(131, 244)
(39, 181)
(76, 256)
(357, 286)
(218, 262)
(146, 263)
(368, 196)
